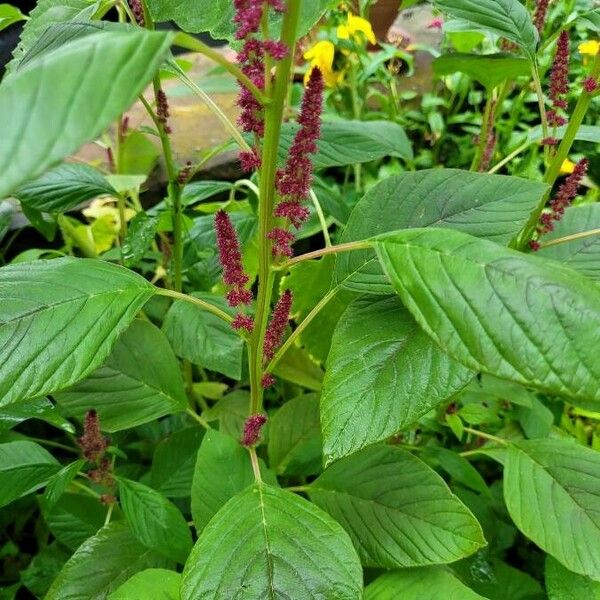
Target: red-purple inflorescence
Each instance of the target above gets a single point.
(293, 182)
(138, 12)
(252, 429)
(590, 85)
(275, 331)
(230, 258)
(539, 15)
(162, 110)
(92, 443)
(245, 322)
(559, 80)
(563, 198)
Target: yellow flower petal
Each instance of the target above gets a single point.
(354, 26)
(321, 56)
(590, 47)
(567, 167)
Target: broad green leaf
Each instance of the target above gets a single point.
(24, 467)
(383, 373)
(155, 521)
(216, 16)
(173, 462)
(74, 518)
(102, 563)
(424, 583)
(295, 437)
(198, 191)
(398, 511)
(350, 142)
(141, 381)
(458, 467)
(506, 18)
(223, 469)
(140, 235)
(563, 584)
(46, 14)
(581, 254)
(488, 69)
(42, 569)
(151, 584)
(488, 206)
(496, 310)
(58, 483)
(9, 15)
(36, 408)
(591, 19)
(231, 412)
(585, 133)
(269, 543)
(204, 338)
(552, 492)
(64, 187)
(100, 74)
(299, 368)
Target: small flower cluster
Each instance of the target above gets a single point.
(275, 332)
(162, 110)
(293, 182)
(539, 15)
(252, 429)
(563, 198)
(184, 174)
(559, 81)
(138, 12)
(234, 276)
(251, 59)
(93, 447)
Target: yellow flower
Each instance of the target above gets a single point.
(321, 55)
(590, 47)
(354, 27)
(567, 167)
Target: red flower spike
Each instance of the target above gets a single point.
(230, 258)
(282, 242)
(267, 380)
(250, 160)
(277, 325)
(162, 110)
(92, 443)
(539, 16)
(559, 76)
(242, 321)
(549, 141)
(138, 12)
(252, 429)
(590, 85)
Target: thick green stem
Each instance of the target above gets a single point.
(535, 72)
(273, 119)
(562, 153)
(483, 133)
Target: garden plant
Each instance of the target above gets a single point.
(365, 366)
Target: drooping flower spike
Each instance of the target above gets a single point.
(540, 13)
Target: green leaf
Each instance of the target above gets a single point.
(552, 492)
(100, 74)
(154, 520)
(64, 187)
(231, 412)
(506, 18)
(74, 518)
(350, 142)
(496, 310)
(563, 584)
(581, 254)
(9, 15)
(459, 468)
(216, 16)
(398, 512)
(295, 437)
(289, 549)
(42, 569)
(223, 469)
(45, 14)
(102, 563)
(585, 133)
(140, 235)
(36, 408)
(424, 583)
(24, 467)
(591, 19)
(203, 338)
(173, 462)
(151, 584)
(141, 381)
(58, 483)
(383, 373)
(487, 206)
(490, 70)
(299, 368)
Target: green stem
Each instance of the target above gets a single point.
(301, 327)
(198, 418)
(193, 300)
(52, 444)
(570, 238)
(535, 72)
(86, 489)
(509, 157)
(337, 249)
(581, 108)
(483, 133)
(255, 465)
(487, 436)
(273, 119)
(191, 43)
(322, 219)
